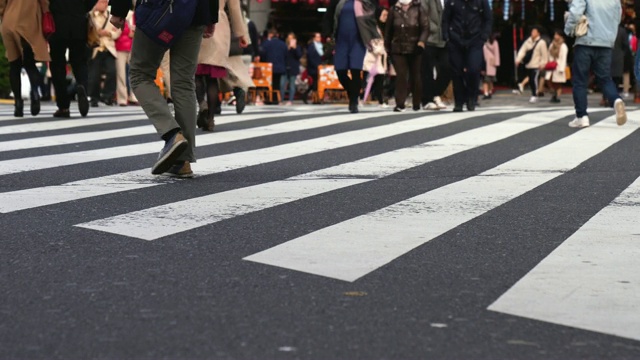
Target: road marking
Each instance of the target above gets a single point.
(80, 157)
(48, 195)
(351, 249)
(170, 219)
(592, 280)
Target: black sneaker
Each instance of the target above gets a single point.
(172, 149)
(399, 109)
(471, 106)
(83, 102)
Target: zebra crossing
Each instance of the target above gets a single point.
(367, 189)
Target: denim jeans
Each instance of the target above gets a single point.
(598, 60)
(291, 81)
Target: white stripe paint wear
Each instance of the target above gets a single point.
(592, 280)
(133, 180)
(350, 250)
(170, 219)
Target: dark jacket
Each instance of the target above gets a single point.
(435, 10)
(70, 17)
(405, 29)
(254, 48)
(366, 23)
(274, 51)
(620, 50)
(206, 11)
(467, 22)
(292, 61)
(313, 60)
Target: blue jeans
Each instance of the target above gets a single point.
(291, 80)
(598, 60)
(636, 70)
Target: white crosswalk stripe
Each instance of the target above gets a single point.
(152, 223)
(350, 249)
(25, 199)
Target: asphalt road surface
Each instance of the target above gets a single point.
(311, 233)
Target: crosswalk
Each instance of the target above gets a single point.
(445, 170)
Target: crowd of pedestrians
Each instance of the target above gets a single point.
(414, 49)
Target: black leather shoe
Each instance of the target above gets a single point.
(35, 102)
(457, 108)
(18, 110)
(240, 100)
(62, 113)
(471, 106)
(83, 101)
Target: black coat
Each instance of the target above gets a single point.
(70, 17)
(313, 60)
(467, 22)
(292, 61)
(206, 11)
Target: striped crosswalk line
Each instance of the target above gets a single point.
(161, 221)
(36, 197)
(595, 272)
(351, 249)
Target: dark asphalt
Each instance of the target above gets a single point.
(73, 293)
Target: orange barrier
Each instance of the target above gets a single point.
(262, 75)
(327, 80)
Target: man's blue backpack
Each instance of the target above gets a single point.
(164, 21)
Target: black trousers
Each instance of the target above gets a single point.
(466, 64)
(352, 84)
(438, 59)
(79, 65)
(275, 86)
(103, 63)
(408, 77)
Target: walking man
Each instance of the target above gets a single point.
(466, 26)
(146, 56)
(592, 52)
(436, 71)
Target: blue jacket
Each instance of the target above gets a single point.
(293, 61)
(604, 17)
(314, 60)
(274, 51)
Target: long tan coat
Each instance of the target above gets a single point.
(22, 19)
(215, 50)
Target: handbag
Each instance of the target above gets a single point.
(257, 72)
(582, 27)
(93, 37)
(234, 46)
(48, 25)
(551, 65)
(528, 56)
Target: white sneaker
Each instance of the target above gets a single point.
(533, 100)
(439, 103)
(431, 106)
(626, 95)
(521, 88)
(383, 106)
(580, 122)
(621, 112)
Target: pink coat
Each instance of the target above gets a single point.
(124, 42)
(491, 57)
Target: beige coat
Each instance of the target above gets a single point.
(559, 75)
(540, 54)
(22, 19)
(106, 42)
(215, 50)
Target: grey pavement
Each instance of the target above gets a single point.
(311, 233)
